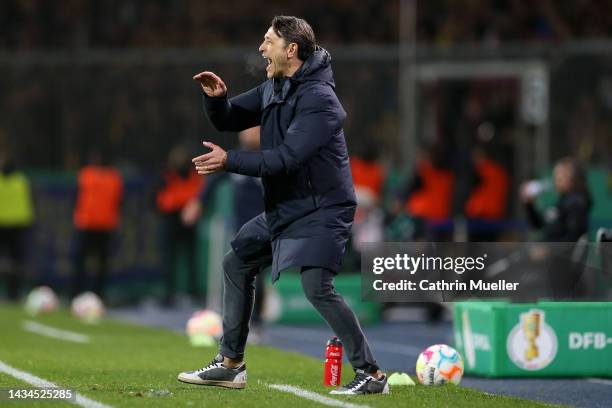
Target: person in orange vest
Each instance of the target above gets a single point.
(16, 216)
(96, 218)
(486, 205)
(368, 176)
(368, 179)
(180, 185)
(428, 200)
(428, 196)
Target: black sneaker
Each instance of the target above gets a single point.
(216, 374)
(364, 384)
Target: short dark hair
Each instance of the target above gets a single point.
(579, 176)
(296, 30)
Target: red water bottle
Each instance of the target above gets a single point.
(333, 363)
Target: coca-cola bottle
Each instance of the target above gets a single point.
(333, 363)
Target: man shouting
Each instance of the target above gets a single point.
(308, 191)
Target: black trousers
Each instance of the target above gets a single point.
(11, 243)
(94, 244)
(238, 297)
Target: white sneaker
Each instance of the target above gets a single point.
(216, 374)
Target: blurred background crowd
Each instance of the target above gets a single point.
(34, 24)
(510, 101)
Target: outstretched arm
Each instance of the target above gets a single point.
(238, 113)
(315, 122)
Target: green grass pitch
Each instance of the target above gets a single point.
(122, 364)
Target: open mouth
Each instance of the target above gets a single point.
(269, 62)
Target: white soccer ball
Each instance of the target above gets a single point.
(204, 327)
(87, 307)
(439, 364)
(41, 300)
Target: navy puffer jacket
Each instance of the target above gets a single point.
(303, 161)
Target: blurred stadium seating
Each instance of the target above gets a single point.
(531, 79)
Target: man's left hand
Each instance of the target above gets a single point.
(212, 161)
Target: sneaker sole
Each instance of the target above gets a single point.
(360, 393)
(224, 384)
(385, 391)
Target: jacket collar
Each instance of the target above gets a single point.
(315, 68)
(276, 91)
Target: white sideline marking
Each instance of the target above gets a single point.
(313, 396)
(600, 381)
(49, 331)
(40, 383)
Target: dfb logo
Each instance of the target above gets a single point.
(587, 340)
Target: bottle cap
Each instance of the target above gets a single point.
(334, 341)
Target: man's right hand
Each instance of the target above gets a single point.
(211, 83)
